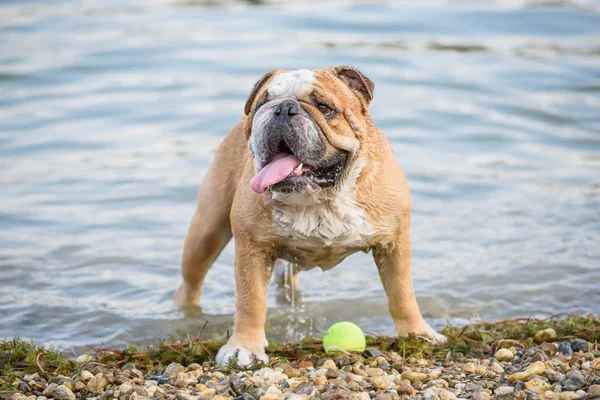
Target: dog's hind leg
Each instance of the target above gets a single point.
(210, 229)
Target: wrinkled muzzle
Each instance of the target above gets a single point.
(289, 152)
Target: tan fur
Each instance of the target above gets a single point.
(370, 210)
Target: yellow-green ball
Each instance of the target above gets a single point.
(344, 336)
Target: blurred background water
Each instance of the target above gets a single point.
(110, 113)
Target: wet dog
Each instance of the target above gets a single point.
(307, 177)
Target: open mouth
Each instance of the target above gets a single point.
(286, 173)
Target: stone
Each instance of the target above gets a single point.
(161, 380)
(579, 345)
(565, 348)
(573, 382)
(546, 335)
(338, 394)
(472, 387)
(549, 348)
(469, 368)
(504, 355)
(537, 368)
(497, 368)
(97, 384)
(305, 364)
(405, 390)
(63, 393)
(381, 381)
(18, 396)
(481, 396)
(330, 364)
(372, 352)
(539, 356)
(49, 389)
(503, 390)
(553, 376)
(173, 370)
(32, 377)
(273, 393)
(594, 389)
(375, 372)
(80, 387)
(194, 367)
(125, 388)
(537, 385)
(86, 375)
(413, 376)
(568, 396)
(435, 393)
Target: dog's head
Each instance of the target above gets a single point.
(305, 128)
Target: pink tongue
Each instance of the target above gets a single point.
(277, 170)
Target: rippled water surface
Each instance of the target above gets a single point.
(110, 113)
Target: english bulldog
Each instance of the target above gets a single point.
(304, 176)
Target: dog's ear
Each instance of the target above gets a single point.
(257, 86)
(360, 84)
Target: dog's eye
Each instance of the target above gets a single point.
(325, 109)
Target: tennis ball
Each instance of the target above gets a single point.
(344, 336)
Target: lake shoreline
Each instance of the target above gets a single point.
(521, 358)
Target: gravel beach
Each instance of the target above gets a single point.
(560, 361)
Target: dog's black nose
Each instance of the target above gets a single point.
(287, 108)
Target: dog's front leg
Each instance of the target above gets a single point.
(393, 262)
(253, 269)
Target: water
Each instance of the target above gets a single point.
(110, 113)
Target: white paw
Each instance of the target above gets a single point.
(438, 337)
(423, 330)
(245, 351)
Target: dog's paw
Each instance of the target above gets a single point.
(437, 338)
(422, 329)
(246, 352)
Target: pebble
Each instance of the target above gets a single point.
(413, 376)
(579, 345)
(537, 368)
(594, 390)
(272, 394)
(371, 353)
(436, 393)
(504, 355)
(48, 391)
(545, 335)
(470, 368)
(86, 375)
(63, 393)
(565, 348)
(330, 364)
(405, 390)
(481, 396)
(497, 368)
(125, 388)
(503, 390)
(573, 382)
(173, 370)
(381, 381)
(568, 396)
(97, 384)
(537, 385)
(549, 348)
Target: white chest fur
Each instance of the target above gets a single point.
(319, 230)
